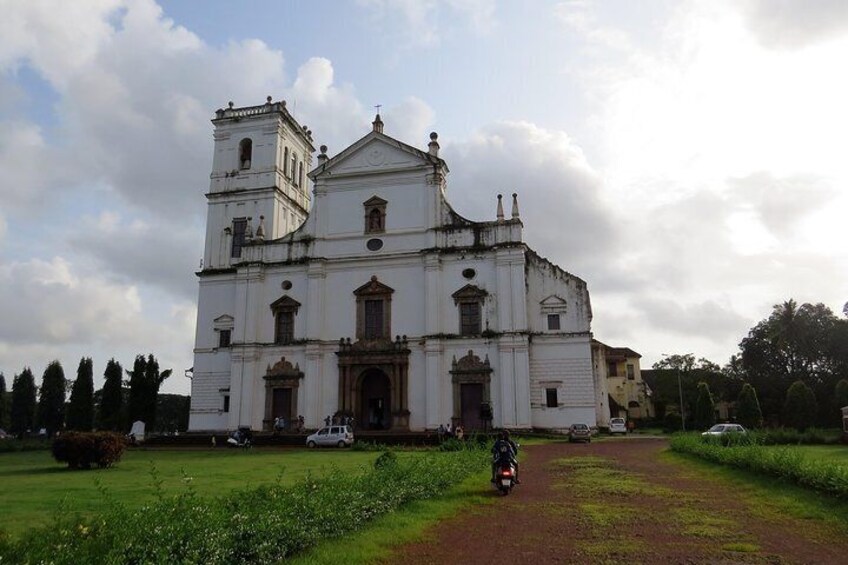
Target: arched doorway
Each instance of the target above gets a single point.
(374, 400)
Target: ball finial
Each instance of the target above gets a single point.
(434, 136)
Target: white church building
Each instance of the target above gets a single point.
(364, 294)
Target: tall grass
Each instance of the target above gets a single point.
(785, 462)
(260, 525)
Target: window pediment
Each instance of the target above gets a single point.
(553, 304)
(285, 304)
(223, 322)
(375, 201)
(469, 293)
(373, 288)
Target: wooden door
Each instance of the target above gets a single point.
(470, 399)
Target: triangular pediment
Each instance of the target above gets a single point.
(469, 292)
(373, 287)
(285, 303)
(374, 153)
(225, 321)
(553, 303)
(375, 201)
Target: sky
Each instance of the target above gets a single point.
(685, 158)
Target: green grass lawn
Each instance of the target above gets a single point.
(35, 487)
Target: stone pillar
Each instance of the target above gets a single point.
(506, 377)
(314, 377)
(522, 384)
(432, 360)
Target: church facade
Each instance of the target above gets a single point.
(370, 297)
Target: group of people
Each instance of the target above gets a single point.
(281, 424)
(339, 420)
(446, 432)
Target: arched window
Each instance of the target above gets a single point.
(300, 174)
(286, 162)
(375, 220)
(293, 165)
(245, 153)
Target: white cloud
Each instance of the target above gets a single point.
(792, 24)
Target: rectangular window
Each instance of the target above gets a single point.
(631, 372)
(300, 174)
(551, 397)
(293, 166)
(612, 370)
(373, 319)
(226, 403)
(224, 338)
(285, 328)
(553, 321)
(469, 318)
(286, 162)
(239, 227)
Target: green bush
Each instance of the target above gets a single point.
(81, 450)
(260, 525)
(10, 445)
(672, 422)
(385, 459)
(785, 462)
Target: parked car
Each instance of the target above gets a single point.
(617, 426)
(341, 436)
(579, 432)
(722, 429)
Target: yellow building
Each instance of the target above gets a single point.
(629, 395)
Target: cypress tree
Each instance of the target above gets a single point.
(4, 412)
(51, 400)
(800, 408)
(22, 415)
(111, 400)
(81, 405)
(841, 393)
(748, 411)
(704, 407)
(145, 381)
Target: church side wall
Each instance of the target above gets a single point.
(563, 364)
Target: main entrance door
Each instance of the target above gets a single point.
(281, 404)
(375, 406)
(470, 399)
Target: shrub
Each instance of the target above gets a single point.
(672, 422)
(81, 450)
(260, 525)
(784, 462)
(385, 459)
(704, 407)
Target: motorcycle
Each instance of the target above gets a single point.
(242, 437)
(505, 477)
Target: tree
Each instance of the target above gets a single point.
(748, 411)
(4, 412)
(22, 415)
(841, 393)
(172, 412)
(800, 407)
(81, 405)
(704, 407)
(145, 380)
(111, 398)
(804, 343)
(51, 400)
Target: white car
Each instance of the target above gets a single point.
(722, 429)
(341, 436)
(617, 426)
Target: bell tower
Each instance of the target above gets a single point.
(258, 186)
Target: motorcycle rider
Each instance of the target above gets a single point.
(504, 450)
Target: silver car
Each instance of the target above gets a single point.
(722, 429)
(341, 436)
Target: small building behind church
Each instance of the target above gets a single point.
(364, 294)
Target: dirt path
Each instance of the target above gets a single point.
(619, 502)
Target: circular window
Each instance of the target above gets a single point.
(374, 244)
(469, 273)
(286, 285)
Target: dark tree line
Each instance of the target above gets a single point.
(791, 370)
(27, 408)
